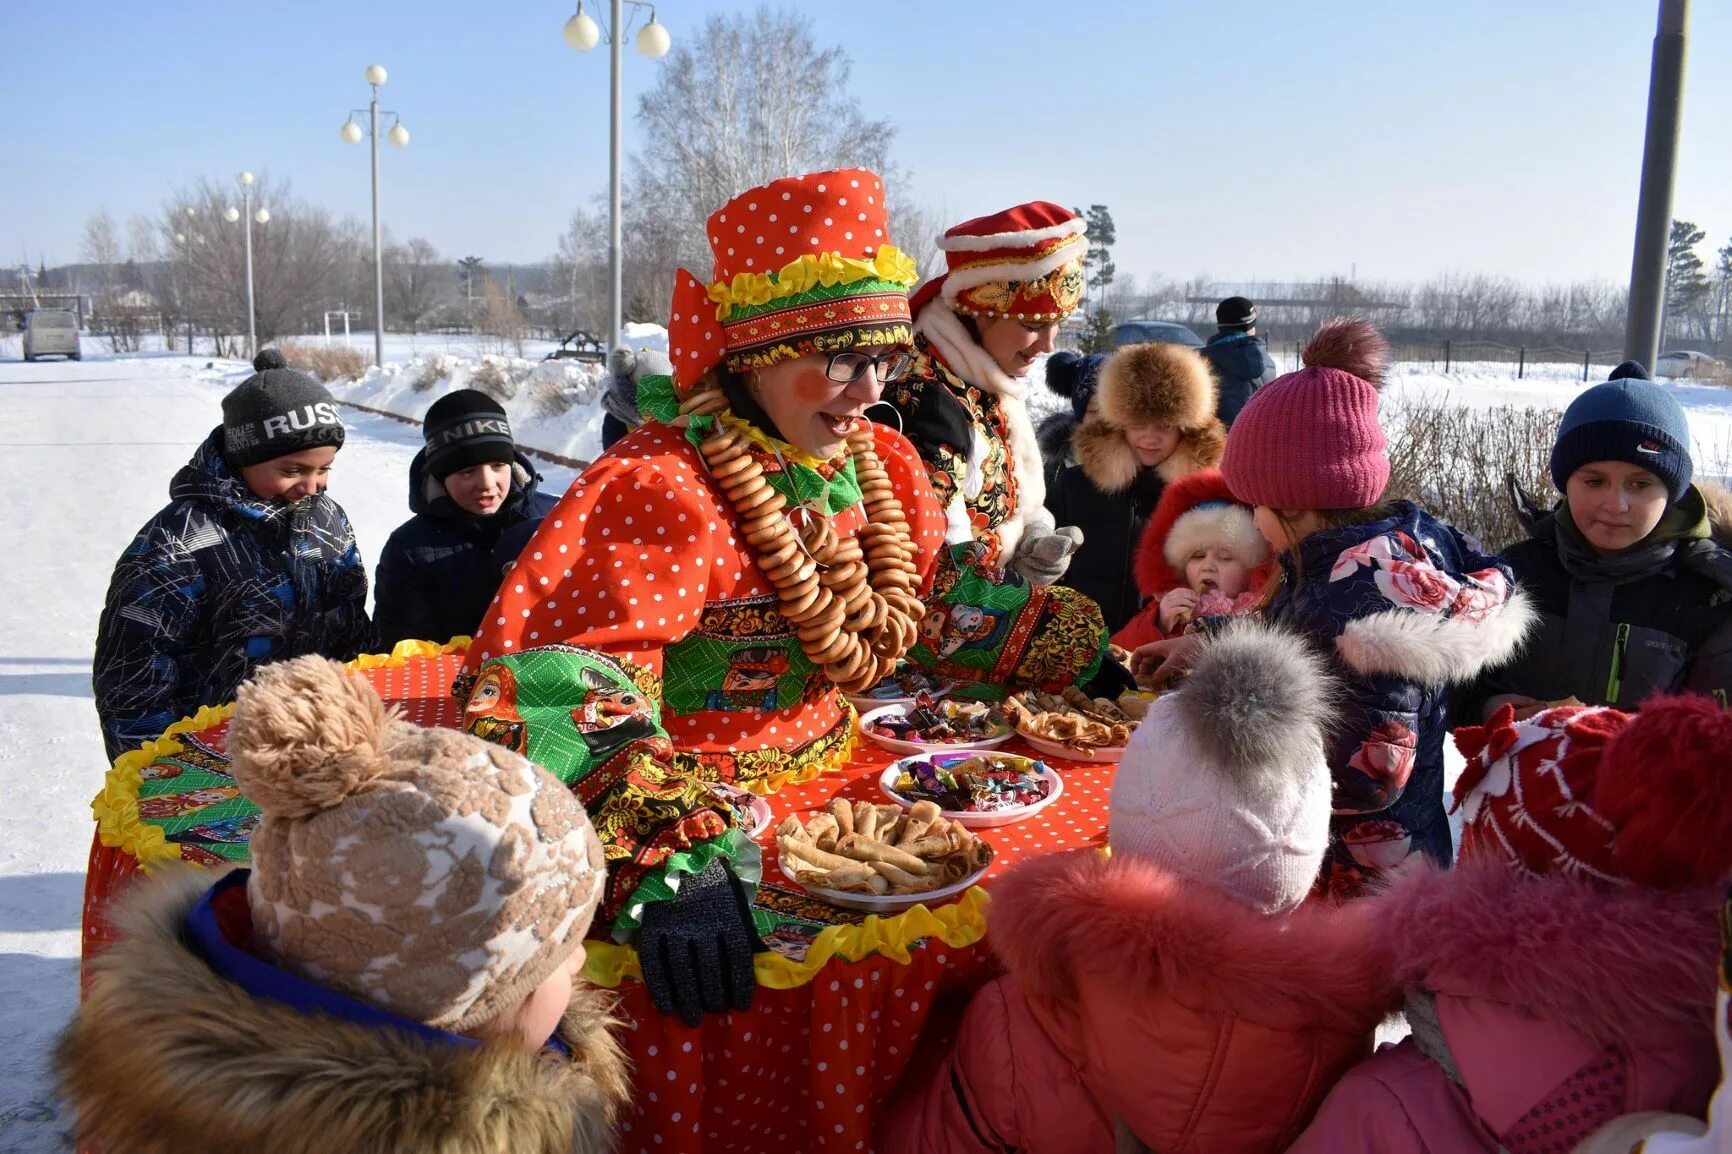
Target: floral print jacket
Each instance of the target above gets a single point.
(1406, 608)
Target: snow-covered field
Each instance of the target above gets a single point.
(86, 457)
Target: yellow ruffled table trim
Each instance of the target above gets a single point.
(818, 766)
(962, 923)
(116, 807)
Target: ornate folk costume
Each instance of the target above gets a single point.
(689, 610)
(966, 415)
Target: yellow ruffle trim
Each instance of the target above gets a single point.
(116, 807)
(817, 766)
(809, 271)
(962, 923)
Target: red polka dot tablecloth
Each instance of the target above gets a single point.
(807, 1066)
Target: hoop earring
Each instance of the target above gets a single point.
(896, 412)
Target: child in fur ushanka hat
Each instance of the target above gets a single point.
(394, 972)
(1190, 988)
(1403, 604)
(1150, 422)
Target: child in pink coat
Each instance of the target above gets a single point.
(1183, 990)
(1564, 974)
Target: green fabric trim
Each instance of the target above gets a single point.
(656, 398)
(815, 295)
(662, 883)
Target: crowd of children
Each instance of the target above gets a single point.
(1280, 878)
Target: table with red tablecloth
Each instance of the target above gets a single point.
(843, 998)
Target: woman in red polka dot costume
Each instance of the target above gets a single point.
(647, 561)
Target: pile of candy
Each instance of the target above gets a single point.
(977, 783)
(931, 722)
(908, 681)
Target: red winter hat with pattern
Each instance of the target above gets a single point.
(1588, 791)
(1024, 262)
(802, 264)
(1311, 439)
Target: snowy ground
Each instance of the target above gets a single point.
(87, 455)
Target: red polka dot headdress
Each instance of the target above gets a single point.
(803, 264)
(1025, 262)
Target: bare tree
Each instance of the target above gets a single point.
(752, 97)
(415, 282)
(580, 272)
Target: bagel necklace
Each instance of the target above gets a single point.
(852, 601)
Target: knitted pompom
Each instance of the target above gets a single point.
(1351, 344)
(306, 735)
(269, 359)
(1665, 784)
(1064, 373)
(1254, 694)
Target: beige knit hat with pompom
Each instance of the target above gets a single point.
(427, 872)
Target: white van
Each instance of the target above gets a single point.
(51, 332)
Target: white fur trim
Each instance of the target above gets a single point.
(1030, 516)
(987, 243)
(1199, 528)
(1432, 649)
(939, 324)
(968, 278)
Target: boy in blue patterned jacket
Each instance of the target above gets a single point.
(1404, 607)
(250, 562)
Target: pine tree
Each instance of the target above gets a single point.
(1686, 284)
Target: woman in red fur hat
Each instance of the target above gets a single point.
(1200, 556)
(1564, 974)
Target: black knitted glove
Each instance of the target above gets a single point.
(696, 948)
(1110, 680)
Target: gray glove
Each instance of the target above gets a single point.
(1042, 560)
(626, 367)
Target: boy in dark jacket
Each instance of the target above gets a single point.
(1237, 356)
(467, 486)
(250, 562)
(1634, 594)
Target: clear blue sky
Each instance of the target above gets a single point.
(1264, 140)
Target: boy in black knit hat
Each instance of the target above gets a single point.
(468, 487)
(251, 562)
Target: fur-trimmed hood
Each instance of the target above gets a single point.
(1112, 465)
(165, 1055)
(1080, 917)
(1155, 574)
(1624, 967)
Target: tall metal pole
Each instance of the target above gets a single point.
(378, 247)
(252, 322)
(615, 243)
(1659, 166)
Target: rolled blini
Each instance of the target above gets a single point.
(901, 881)
(812, 855)
(865, 819)
(843, 812)
(820, 828)
(792, 827)
(864, 849)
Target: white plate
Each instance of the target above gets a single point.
(896, 745)
(1058, 749)
(975, 820)
(760, 808)
(886, 903)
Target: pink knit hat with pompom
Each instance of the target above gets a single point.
(1310, 439)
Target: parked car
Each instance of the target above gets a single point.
(1155, 333)
(1688, 363)
(51, 332)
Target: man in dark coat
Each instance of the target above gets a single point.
(1237, 355)
(468, 487)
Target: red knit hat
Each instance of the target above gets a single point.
(1024, 262)
(1592, 792)
(1310, 439)
(802, 264)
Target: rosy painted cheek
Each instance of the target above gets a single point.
(812, 385)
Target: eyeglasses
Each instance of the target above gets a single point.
(846, 368)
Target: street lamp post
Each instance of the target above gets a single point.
(1643, 319)
(399, 137)
(581, 34)
(232, 215)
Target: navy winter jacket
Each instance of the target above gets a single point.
(1242, 365)
(439, 570)
(1404, 607)
(215, 585)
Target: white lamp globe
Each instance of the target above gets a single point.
(351, 133)
(398, 136)
(180, 238)
(245, 178)
(191, 211)
(582, 33)
(652, 40)
(376, 74)
(263, 216)
(231, 214)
